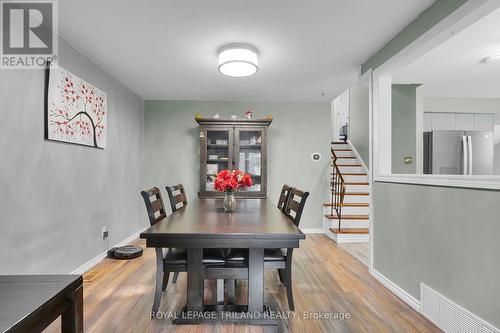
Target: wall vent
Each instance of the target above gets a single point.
(450, 317)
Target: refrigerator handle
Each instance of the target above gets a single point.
(465, 155)
(469, 154)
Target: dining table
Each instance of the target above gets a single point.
(256, 224)
(30, 303)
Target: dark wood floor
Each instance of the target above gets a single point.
(118, 296)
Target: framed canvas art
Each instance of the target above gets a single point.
(76, 111)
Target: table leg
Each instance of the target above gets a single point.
(195, 279)
(72, 318)
(256, 280)
(229, 286)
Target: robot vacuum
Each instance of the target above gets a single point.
(125, 252)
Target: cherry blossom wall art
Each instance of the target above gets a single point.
(76, 111)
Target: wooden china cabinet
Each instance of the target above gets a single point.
(233, 144)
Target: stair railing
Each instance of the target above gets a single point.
(338, 188)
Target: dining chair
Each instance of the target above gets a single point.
(281, 259)
(170, 259)
(284, 197)
(176, 198)
(241, 255)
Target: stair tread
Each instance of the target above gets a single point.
(354, 174)
(357, 183)
(349, 230)
(349, 165)
(339, 143)
(348, 217)
(349, 204)
(342, 149)
(345, 157)
(357, 193)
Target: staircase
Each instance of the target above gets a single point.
(346, 214)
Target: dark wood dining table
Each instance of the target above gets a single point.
(256, 224)
(29, 303)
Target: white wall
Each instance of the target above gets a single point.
(340, 113)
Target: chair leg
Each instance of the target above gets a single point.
(289, 289)
(176, 276)
(166, 275)
(281, 275)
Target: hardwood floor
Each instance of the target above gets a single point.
(118, 296)
(359, 250)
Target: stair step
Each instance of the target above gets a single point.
(342, 149)
(349, 165)
(349, 204)
(353, 174)
(357, 193)
(348, 217)
(349, 230)
(345, 157)
(358, 183)
(339, 143)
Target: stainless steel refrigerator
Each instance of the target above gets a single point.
(458, 152)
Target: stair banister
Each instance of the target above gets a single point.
(337, 188)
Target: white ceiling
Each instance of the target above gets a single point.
(455, 68)
(167, 49)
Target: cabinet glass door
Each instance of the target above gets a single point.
(218, 153)
(249, 152)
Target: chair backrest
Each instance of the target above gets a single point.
(296, 205)
(176, 198)
(154, 205)
(284, 197)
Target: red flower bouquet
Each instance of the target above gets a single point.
(231, 181)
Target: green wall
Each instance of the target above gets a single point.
(171, 148)
(359, 120)
(444, 237)
(404, 103)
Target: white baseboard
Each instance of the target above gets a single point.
(88, 265)
(395, 289)
(312, 230)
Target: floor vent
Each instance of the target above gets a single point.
(450, 317)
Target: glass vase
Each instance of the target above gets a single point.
(229, 202)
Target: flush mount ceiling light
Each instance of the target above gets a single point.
(238, 60)
(492, 59)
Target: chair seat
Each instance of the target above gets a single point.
(213, 256)
(274, 254)
(178, 256)
(237, 255)
(175, 256)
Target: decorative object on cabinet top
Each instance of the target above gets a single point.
(203, 121)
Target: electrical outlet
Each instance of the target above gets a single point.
(104, 231)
